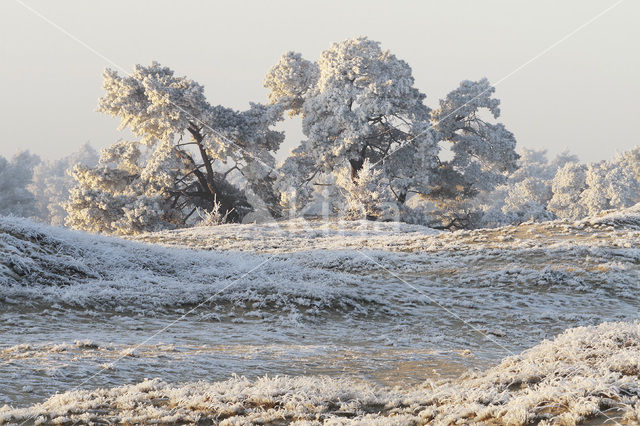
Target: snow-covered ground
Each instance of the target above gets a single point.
(366, 321)
(587, 372)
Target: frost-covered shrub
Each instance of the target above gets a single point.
(363, 196)
(119, 195)
(216, 216)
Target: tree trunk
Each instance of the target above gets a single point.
(213, 186)
(402, 197)
(356, 165)
(198, 137)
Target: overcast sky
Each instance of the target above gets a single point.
(581, 95)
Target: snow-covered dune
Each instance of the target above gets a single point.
(519, 283)
(53, 266)
(339, 311)
(587, 372)
(529, 274)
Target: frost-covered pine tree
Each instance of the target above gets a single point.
(567, 187)
(483, 152)
(184, 160)
(357, 103)
(15, 177)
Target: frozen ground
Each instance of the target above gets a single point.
(585, 373)
(346, 311)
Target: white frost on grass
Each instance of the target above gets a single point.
(566, 256)
(61, 268)
(296, 235)
(628, 218)
(385, 278)
(317, 266)
(516, 283)
(577, 376)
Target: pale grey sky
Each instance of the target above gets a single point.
(582, 95)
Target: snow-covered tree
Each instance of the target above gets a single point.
(51, 184)
(357, 103)
(527, 200)
(174, 168)
(15, 176)
(594, 197)
(115, 196)
(623, 188)
(630, 160)
(483, 153)
(567, 187)
(624, 180)
(535, 164)
(542, 190)
(527, 191)
(290, 81)
(610, 185)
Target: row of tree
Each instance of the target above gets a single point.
(30, 187)
(563, 188)
(372, 148)
(538, 190)
(368, 132)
